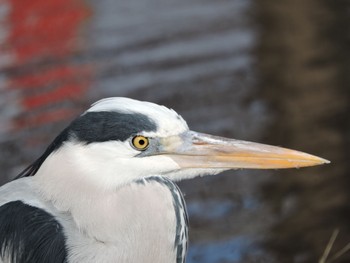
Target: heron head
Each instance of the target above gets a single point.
(120, 140)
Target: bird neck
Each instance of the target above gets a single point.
(120, 218)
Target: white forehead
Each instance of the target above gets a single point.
(167, 120)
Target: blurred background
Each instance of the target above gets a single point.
(276, 72)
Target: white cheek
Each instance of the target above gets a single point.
(120, 159)
(119, 162)
(148, 166)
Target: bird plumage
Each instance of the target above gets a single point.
(140, 232)
(97, 196)
(102, 214)
(30, 232)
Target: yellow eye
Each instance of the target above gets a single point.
(140, 142)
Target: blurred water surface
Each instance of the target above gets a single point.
(262, 71)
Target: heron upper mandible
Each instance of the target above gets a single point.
(104, 191)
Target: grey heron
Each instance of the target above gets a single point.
(104, 189)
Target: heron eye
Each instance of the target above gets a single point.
(140, 142)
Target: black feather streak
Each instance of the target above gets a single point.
(110, 126)
(93, 127)
(30, 235)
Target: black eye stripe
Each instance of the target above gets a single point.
(96, 127)
(108, 126)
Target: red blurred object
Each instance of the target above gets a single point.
(41, 30)
(45, 27)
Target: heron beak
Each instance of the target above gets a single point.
(197, 150)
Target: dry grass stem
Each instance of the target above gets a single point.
(340, 253)
(329, 246)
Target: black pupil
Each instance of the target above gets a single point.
(142, 142)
